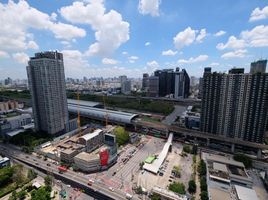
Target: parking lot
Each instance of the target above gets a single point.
(148, 180)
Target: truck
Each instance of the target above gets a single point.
(62, 169)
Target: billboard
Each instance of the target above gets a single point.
(104, 156)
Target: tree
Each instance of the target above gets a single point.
(139, 190)
(194, 150)
(6, 175)
(40, 194)
(186, 148)
(13, 195)
(122, 136)
(176, 170)
(177, 187)
(247, 161)
(21, 195)
(191, 186)
(202, 168)
(204, 195)
(203, 184)
(31, 174)
(155, 197)
(141, 165)
(48, 181)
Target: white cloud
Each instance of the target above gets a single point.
(219, 33)
(191, 60)
(111, 30)
(124, 53)
(132, 59)
(256, 37)
(184, 38)
(169, 53)
(214, 64)
(17, 19)
(240, 53)
(151, 66)
(109, 61)
(201, 35)
(32, 45)
(4, 54)
(232, 43)
(21, 57)
(259, 14)
(147, 44)
(149, 7)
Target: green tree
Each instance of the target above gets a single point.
(31, 174)
(40, 194)
(13, 195)
(139, 190)
(155, 197)
(6, 175)
(48, 181)
(191, 186)
(122, 136)
(204, 195)
(247, 161)
(141, 165)
(21, 195)
(186, 148)
(202, 168)
(177, 187)
(194, 150)
(203, 184)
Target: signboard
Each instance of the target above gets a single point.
(104, 157)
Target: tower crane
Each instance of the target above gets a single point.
(106, 112)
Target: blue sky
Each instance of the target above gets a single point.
(114, 37)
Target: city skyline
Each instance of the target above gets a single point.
(175, 38)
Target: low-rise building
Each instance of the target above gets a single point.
(68, 155)
(87, 162)
(133, 137)
(4, 162)
(13, 123)
(92, 140)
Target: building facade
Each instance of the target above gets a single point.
(145, 82)
(258, 66)
(126, 87)
(182, 84)
(153, 86)
(235, 105)
(47, 86)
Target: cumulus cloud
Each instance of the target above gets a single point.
(147, 44)
(188, 36)
(110, 29)
(4, 54)
(21, 57)
(240, 53)
(150, 7)
(214, 64)
(124, 53)
(201, 35)
(109, 61)
(132, 59)
(259, 14)
(232, 43)
(256, 37)
(192, 60)
(17, 19)
(219, 33)
(169, 53)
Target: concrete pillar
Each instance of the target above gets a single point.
(233, 148)
(259, 154)
(208, 141)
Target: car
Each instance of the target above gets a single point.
(114, 173)
(161, 173)
(48, 164)
(36, 163)
(68, 186)
(111, 188)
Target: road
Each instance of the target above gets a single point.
(178, 110)
(97, 190)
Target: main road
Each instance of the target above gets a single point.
(97, 190)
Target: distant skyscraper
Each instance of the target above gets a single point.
(126, 87)
(47, 86)
(258, 66)
(182, 84)
(122, 79)
(235, 105)
(145, 82)
(153, 86)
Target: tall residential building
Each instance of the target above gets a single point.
(122, 79)
(145, 82)
(166, 81)
(153, 86)
(182, 84)
(258, 66)
(47, 86)
(235, 105)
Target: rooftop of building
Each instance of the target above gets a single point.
(87, 156)
(83, 103)
(89, 136)
(244, 193)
